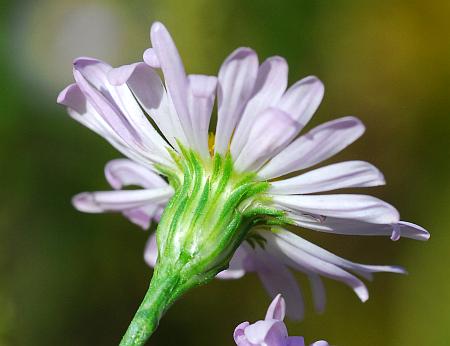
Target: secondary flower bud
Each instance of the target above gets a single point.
(271, 331)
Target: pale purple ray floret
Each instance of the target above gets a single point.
(258, 122)
(271, 331)
(139, 206)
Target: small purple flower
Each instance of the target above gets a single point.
(271, 331)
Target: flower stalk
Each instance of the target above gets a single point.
(161, 292)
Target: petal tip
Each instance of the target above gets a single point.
(424, 236)
(120, 75)
(157, 27)
(85, 202)
(72, 97)
(150, 58)
(381, 179)
(354, 121)
(62, 96)
(239, 331)
(277, 309)
(362, 293)
(241, 53)
(84, 60)
(158, 30)
(398, 270)
(413, 231)
(315, 83)
(111, 178)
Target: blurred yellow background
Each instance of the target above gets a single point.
(68, 278)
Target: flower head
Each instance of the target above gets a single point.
(271, 331)
(236, 196)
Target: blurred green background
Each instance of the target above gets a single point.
(68, 278)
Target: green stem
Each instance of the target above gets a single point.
(163, 290)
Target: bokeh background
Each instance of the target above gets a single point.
(68, 278)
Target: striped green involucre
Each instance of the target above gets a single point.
(209, 216)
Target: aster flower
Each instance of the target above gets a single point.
(236, 189)
(267, 251)
(271, 331)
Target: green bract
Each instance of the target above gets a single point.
(210, 215)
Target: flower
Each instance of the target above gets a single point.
(271, 331)
(248, 185)
(279, 250)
